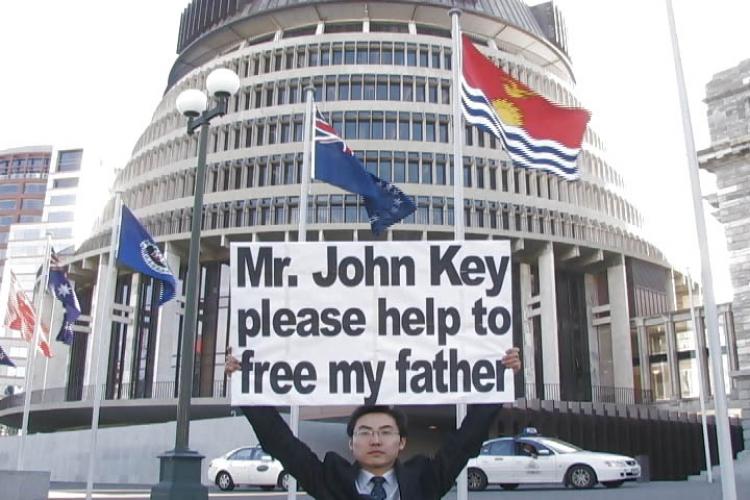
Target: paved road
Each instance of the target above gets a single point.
(682, 490)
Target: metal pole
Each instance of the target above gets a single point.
(32, 357)
(307, 130)
(306, 164)
(100, 331)
(182, 435)
(728, 486)
(51, 318)
(702, 383)
(462, 485)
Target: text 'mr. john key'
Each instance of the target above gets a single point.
(354, 271)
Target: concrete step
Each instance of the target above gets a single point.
(741, 469)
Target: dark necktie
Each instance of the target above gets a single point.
(377, 492)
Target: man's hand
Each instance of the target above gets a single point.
(231, 364)
(511, 359)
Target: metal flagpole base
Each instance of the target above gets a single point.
(180, 477)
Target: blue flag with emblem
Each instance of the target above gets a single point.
(4, 359)
(336, 164)
(138, 251)
(61, 287)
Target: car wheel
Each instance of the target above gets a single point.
(509, 486)
(581, 477)
(613, 484)
(477, 480)
(284, 481)
(224, 481)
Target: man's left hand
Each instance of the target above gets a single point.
(512, 360)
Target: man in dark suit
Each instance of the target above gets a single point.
(377, 434)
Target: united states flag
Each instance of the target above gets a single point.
(21, 316)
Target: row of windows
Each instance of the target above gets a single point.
(394, 166)
(360, 125)
(480, 214)
(338, 53)
(345, 88)
(27, 204)
(23, 162)
(14, 188)
(7, 220)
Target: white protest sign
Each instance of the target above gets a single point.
(418, 322)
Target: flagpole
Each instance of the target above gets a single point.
(32, 357)
(728, 486)
(702, 384)
(51, 319)
(99, 331)
(462, 485)
(307, 130)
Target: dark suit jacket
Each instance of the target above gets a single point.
(419, 478)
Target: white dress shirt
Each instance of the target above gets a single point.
(364, 486)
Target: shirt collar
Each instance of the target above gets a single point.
(365, 476)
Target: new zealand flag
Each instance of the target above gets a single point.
(336, 164)
(138, 251)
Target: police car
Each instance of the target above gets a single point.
(249, 466)
(531, 459)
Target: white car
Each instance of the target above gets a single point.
(249, 466)
(530, 458)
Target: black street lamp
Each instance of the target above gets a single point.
(180, 469)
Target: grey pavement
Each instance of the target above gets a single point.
(661, 490)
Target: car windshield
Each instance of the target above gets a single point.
(559, 446)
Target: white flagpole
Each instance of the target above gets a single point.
(462, 485)
(302, 236)
(100, 329)
(51, 319)
(728, 486)
(702, 379)
(31, 358)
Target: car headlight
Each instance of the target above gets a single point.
(616, 463)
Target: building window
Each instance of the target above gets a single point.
(60, 217)
(32, 204)
(67, 199)
(7, 204)
(10, 188)
(69, 161)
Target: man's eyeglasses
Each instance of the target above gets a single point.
(381, 434)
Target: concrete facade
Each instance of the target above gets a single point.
(728, 99)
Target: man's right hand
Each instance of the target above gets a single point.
(231, 364)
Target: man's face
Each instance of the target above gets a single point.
(376, 442)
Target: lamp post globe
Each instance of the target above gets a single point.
(191, 103)
(222, 83)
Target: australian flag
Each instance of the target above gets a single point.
(4, 359)
(64, 292)
(138, 251)
(336, 164)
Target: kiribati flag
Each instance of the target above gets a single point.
(336, 164)
(536, 133)
(138, 251)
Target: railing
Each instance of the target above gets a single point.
(167, 390)
(594, 394)
(125, 392)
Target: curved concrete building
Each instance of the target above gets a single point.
(381, 71)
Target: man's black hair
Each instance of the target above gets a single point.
(398, 416)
